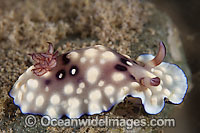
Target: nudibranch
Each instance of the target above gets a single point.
(91, 80)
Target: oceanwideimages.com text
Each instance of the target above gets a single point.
(47, 121)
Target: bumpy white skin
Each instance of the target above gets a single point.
(92, 80)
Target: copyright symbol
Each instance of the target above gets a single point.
(30, 120)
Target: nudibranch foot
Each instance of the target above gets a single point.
(93, 79)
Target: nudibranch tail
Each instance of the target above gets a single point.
(44, 62)
(163, 80)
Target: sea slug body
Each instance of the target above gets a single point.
(93, 79)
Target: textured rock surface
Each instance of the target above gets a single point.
(130, 27)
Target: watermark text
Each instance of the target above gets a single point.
(47, 121)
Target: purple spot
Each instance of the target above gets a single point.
(76, 70)
(132, 77)
(47, 82)
(124, 61)
(65, 59)
(120, 67)
(60, 74)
